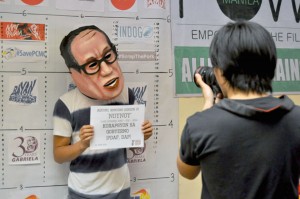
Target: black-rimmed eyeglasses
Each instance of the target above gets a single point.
(92, 67)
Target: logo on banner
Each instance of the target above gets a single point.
(139, 94)
(137, 55)
(9, 53)
(25, 55)
(32, 2)
(32, 197)
(141, 194)
(247, 9)
(123, 4)
(136, 154)
(24, 149)
(135, 32)
(156, 3)
(24, 92)
(22, 31)
(240, 9)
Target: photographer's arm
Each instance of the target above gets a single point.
(187, 171)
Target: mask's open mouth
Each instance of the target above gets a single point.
(113, 83)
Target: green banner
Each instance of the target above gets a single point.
(187, 59)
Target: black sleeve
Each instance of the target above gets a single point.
(187, 148)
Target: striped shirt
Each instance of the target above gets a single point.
(104, 173)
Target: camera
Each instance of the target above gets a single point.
(208, 77)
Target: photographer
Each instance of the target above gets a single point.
(247, 144)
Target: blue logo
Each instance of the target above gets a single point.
(22, 93)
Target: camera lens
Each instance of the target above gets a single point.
(208, 77)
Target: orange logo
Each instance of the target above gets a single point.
(22, 31)
(32, 2)
(123, 4)
(143, 194)
(32, 197)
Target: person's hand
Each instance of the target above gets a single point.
(85, 135)
(207, 92)
(147, 129)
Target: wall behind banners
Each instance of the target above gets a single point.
(33, 76)
(195, 22)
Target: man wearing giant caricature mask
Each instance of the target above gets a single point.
(93, 64)
(87, 47)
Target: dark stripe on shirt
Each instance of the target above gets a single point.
(61, 110)
(79, 118)
(124, 194)
(99, 162)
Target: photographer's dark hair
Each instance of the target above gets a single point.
(65, 45)
(246, 53)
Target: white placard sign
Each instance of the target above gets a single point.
(117, 126)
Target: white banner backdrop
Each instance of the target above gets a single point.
(33, 76)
